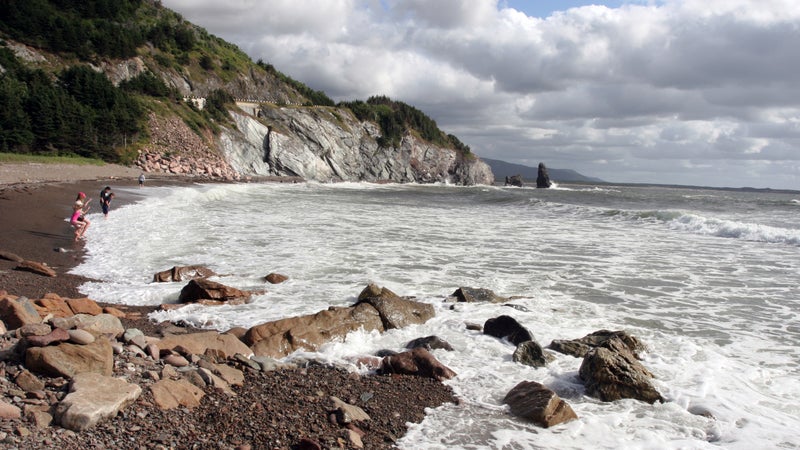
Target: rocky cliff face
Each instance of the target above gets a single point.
(330, 144)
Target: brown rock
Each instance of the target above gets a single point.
(203, 289)
(116, 312)
(9, 411)
(53, 304)
(610, 375)
(68, 360)
(281, 337)
(419, 362)
(17, 311)
(181, 273)
(84, 306)
(533, 401)
(275, 278)
(11, 256)
(472, 295)
(36, 267)
(397, 312)
(94, 397)
(197, 343)
(55, 336)
(176, 360)
(580, 347)
(170, 394)
(34, 329)
(29, 382)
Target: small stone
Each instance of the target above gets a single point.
(55, 336)
(9, 411)
(81, 337)
(176, 360)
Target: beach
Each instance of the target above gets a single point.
(272, 410)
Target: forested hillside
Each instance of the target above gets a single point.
(58, 97)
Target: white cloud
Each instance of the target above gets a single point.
(620, 93)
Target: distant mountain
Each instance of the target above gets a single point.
(504, 169)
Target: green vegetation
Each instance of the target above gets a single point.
(395, 118)
(64, 107)
(16, 158)
(315, 98)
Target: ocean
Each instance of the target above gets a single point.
(707, 279)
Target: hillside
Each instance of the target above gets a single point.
(504, 169)
(132, 82)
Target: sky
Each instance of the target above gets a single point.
(690, 92)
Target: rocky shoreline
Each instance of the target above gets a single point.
(77, 374)
(270, 409)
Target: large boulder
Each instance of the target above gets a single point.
(181, 273)
(204, 289)
(68, 360)
(470, 295)
(535, 402)
(612, 375)
(281, 337)
(419, 362)
(398, 312)
(220, 344)
(506, 327)
(580, 347)
(94, 397)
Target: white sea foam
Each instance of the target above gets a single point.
(719, 315)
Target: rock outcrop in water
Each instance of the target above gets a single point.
(543, 179)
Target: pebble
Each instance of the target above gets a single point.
(81, 337)
(176, 360)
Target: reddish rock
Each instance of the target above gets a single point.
(36, 267)
(68, 360)
(275, 278)
(170, 394)
(53, 304)
(281, 337)
(9, 411)
(198, 343)
(17, 311)
(116, 312)
(84, 306)
(203, 289)
(11, 256)
(55, 336)
(419, 362)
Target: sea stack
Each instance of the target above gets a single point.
(543, 179)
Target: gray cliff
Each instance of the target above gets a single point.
(329, 144)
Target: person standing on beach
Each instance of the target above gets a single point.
(105, 200)
(78, 219)
(141, 180)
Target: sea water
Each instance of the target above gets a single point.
(708, 279)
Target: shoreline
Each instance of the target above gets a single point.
(33, 226)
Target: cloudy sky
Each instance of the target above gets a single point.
(700, 92)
